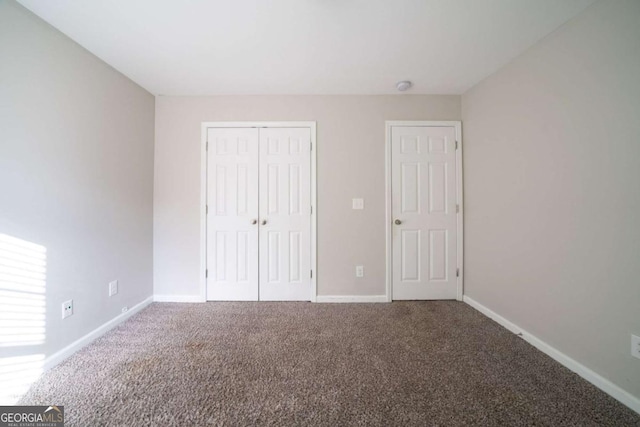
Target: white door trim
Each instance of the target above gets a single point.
(388, 214)
(203, 194)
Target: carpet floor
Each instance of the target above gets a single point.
(238, 364)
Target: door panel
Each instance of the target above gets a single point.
(410, 256)
(423, 186)
(285, 210)
(232, 239)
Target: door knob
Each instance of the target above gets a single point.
(264, 222)
(254, 222)
(398, 222)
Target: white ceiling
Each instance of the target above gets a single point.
(212, 47)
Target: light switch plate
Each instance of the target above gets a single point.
(359, 271)
(358, 203)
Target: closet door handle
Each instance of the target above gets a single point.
(264, 222)
(398, 222)
(254, 222)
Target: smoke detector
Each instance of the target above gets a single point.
(403, 85)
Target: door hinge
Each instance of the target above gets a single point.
(311, 146)
(312, 274)
(207, 209)
(456, 145)
(206, 273)
(457, 272)
(311, 209)
(206, 146)
(457, 208)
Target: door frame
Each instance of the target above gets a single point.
(389, 124)
(203, 194)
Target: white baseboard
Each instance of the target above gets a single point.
(351, 298)
(319, 298)
(178, 298)
(597, 380)
(61, 355)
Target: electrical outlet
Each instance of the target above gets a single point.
(67, 308)
(359, 271)
(113, 288)
(357, 204)
(635, 346)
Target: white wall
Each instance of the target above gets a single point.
(76, 175)
(350, 155)
(552, 169)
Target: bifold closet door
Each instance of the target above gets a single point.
(232, 218)
(423, 187)
(285, 214)
(259, 214)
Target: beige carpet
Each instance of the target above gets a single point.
(237, 364)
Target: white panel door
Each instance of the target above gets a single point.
(232, 219)
(423, 187)
(285, 214)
